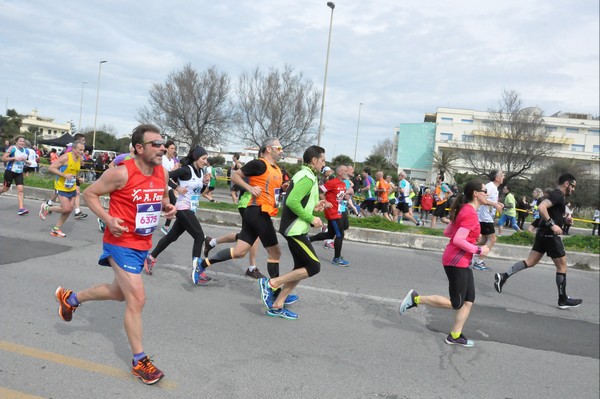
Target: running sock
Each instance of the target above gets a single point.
(49, 203)
(561, 283)
(417, 299)
(72, 299)
(517, 267)
(77, 210)
(137, 357)
(273, 269)
(251, 268)
(455, 334)
(213, 243)
(221, 256)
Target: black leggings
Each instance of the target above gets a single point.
(172, 200)
(335, 230)
(186, 221)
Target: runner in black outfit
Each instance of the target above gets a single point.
(548, 241)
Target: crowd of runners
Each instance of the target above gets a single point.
(150, 182)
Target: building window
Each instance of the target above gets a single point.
(470, 121)
(577, 147)
(446, 121)
(594, 132)
(596, 149)
(551, 129)
(572, 130)
(446, 136)
(468, 138)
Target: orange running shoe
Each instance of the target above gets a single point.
(65, 311)
(147, 372)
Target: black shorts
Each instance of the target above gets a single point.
(368, 204)
(549, 244)
(461, 286)
(235, 187)
(257, 224)
(440, 210)
(211, 188)
(403, 207)
(487, 228)
(384, 207)
(304, 254)
(9, 176)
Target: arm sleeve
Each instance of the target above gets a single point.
(180, 174)
(254, 168)
(460, 240)
(294, 199)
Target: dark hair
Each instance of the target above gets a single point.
(566, 177)
(78, 136)
(507, 187)
(492, 175)
(169, 143)
(466, 196)
(314, 151)
(236, 155)
(137, 135)
(367, 171)
(195, 152)
(440, 176)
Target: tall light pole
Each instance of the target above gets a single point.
(97, 96)
(331, 5)
(357, 127)
(81, 105)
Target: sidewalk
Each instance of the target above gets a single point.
(406, 240)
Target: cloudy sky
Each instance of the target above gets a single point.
(401, 59)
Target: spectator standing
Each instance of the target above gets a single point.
(596, 222)
(235, 165)
(538, 195)
(441, 194)
(426, 204)
(523, 206)
(568, 219)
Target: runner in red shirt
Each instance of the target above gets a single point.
(335, 192)
(463, 232)
(138, 192)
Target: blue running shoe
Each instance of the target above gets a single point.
(266, 292)
(408, 301)
(479, 265)
(283, 312)
(340, 262)
(198, 275)
(291, 299)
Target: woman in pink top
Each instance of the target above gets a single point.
(463, 232)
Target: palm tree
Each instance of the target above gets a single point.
(444, 161)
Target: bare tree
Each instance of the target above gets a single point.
(191, 108)
(385, 148)
(515, 140)
(277, 104)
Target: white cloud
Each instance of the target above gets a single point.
(401, 59)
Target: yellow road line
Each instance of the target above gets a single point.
(74, 362)
(9, 394)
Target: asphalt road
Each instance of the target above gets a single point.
(349, 341)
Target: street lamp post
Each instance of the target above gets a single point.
(81, 105)
(331, 5)
(97, 96)
(6, 106)
(357, 127)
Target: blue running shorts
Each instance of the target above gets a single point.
(130, 260)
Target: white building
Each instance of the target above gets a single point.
(45, 127)
(574, 136)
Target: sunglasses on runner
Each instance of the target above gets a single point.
(277, 147)
(155, 143)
